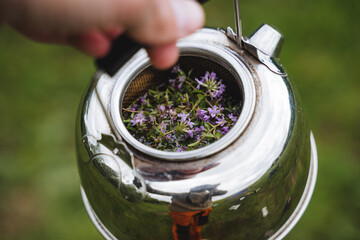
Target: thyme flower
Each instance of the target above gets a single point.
(183, 116)
(232, 117)
(139, 118)
(214, 87)
(213, 111)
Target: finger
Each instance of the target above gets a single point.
(163, 57)
(94, 43)
(166, 21)
(114, 32)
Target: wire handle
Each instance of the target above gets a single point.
(238, 24)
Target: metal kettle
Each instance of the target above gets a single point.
(254, 183)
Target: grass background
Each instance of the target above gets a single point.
(41, 86)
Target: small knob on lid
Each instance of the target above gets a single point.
(267, 39)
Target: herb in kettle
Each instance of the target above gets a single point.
(184, 114)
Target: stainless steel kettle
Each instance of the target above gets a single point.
(254, 183)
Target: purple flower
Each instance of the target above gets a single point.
(161, 108)
(220, 121)
(197, 137)
(139, 118)
(200, 113)
(173, 82)
(178, 82)
(162, 126)
(218, 90)
(134, 107)
(199, 129)
(143, 100)
(190, 123)
(221, 87)
(191, 133)
(151, 118)
(206, 118)
(171, 137)
(180, 149)
(213, 111)
(200, 83)
(224, 130)
(176, 69)
(209, 77)
(183, 116)
(232, 117)
(182, 79)
(215, 88)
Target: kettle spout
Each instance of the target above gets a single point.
(265, 44)
(267, 39)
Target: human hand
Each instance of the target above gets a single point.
(91, 25)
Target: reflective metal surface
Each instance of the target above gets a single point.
(256, 186)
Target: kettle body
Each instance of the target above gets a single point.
(254, 183)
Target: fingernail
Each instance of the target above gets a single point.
(189, 15)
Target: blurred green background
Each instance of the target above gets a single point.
(41, 86)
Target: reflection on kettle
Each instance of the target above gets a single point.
(190, 211)
(188, 225)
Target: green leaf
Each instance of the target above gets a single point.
(189, 73)
(131, 128)
(214, 132)
(187, 97)
(196, 91)
(152, 91)
(217, 135)
(209, 135)
(200, 96)
(193, 144)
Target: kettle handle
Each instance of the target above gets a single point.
(122, 49)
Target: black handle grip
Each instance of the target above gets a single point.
(122, 49)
